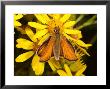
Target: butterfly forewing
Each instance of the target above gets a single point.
(47, 51)
(68, 50)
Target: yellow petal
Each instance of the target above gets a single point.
(23, 57)
(16, 17)
(37, 66)
(74, 32)
(79, 72)
(82, 44)
(40, 33)
(37, 25)
(78, 33)
(70, 31)
(76, 66)
(69, 24)
(83, 50)
(30, 34)
(56, 63)
(16, 23)
(25, 44)
(68, 37)
(56, 16)
(61, 73)
(46, 17)
(67, 69)
(65, 17)
(52, 66)
(41, 18)
(43, 39)
(82, 75)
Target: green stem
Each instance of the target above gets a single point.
(88, 22)
(79, 18)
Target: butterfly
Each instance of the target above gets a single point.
(57, 45)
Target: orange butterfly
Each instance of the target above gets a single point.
(57, 45)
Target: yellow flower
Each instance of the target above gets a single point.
(57, 66)
(54, 64)
(47, 25)
(17, 17)
(75, 69)
(80, 71)
(17, 24)
(32, 47)
(65, 72)
(65, 69)
(78, 67)
(51, 28)
(50, 25)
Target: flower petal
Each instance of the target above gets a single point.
(70, 31)
(69, 24)
(23, 57)
(40, 33)
(30, 34)
(73, 32)
(41, 18)
(46, 17)
(79, 72)
(62, 73)
(37, 25)
(78, 33)
(37, 66)
(51, 65)
(65, 17)
(25, 44)
(82, 75)
(56, 16)
(83, 50)
(56, 63)
(76, 66)
(43, 39)
(16, 17)
(68, 37)
(16, 23)
(67, 69)
(82, 44)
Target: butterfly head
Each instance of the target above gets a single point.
(56, 30)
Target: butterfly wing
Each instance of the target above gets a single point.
(47, 51)
(67, 49)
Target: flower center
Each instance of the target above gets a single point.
(55, 27)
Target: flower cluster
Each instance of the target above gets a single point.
(55, 40)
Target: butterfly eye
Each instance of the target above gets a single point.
(56, 30)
